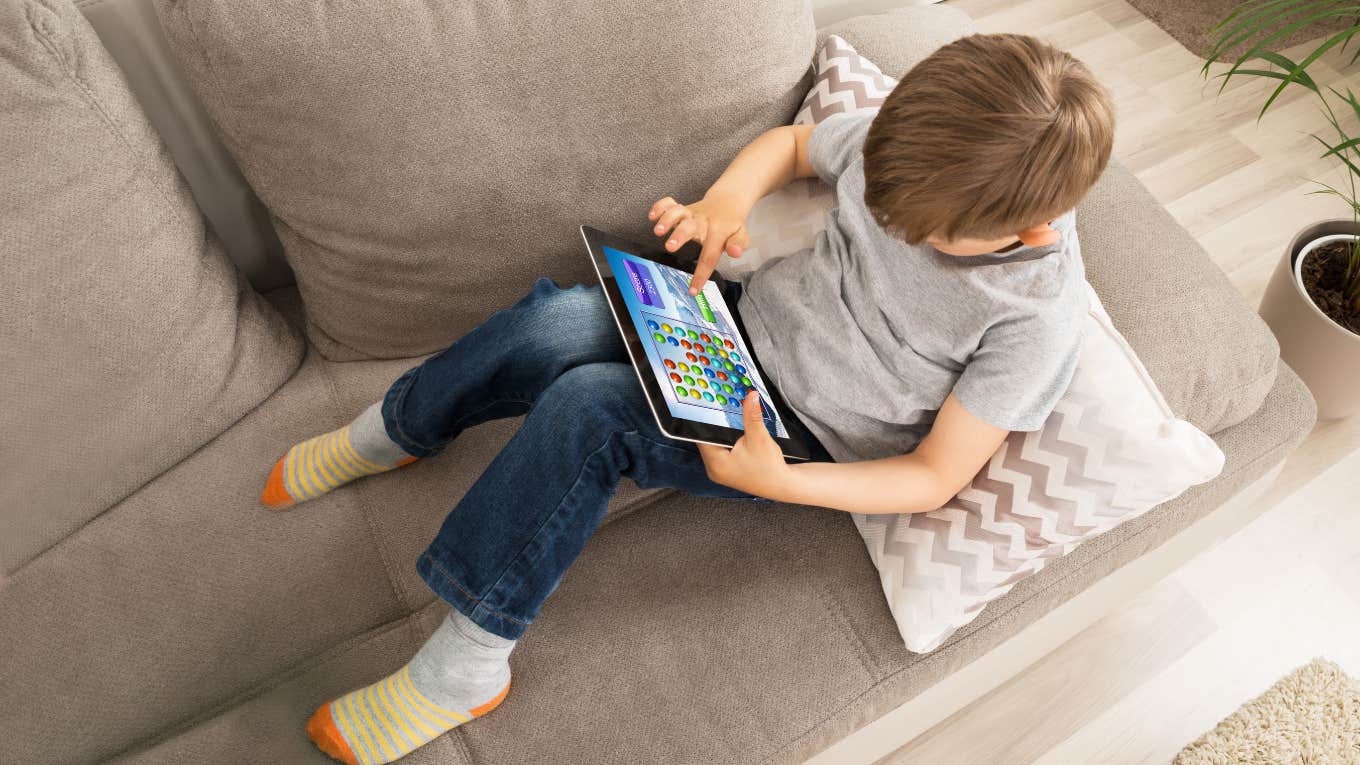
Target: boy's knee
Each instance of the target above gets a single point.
(578, 303)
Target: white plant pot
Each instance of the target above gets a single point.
(1322, 352)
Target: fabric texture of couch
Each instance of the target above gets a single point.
(366, 126)
(127, 339)
(185, 623)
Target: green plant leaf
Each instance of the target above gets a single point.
(1300, 68)
(1252, 22)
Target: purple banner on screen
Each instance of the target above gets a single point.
(643, 283)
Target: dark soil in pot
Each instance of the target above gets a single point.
(1324, 274)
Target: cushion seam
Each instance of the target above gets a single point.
(273, 681)
(393, 581)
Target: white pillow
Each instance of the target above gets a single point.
(789, 219)
(1111, 451)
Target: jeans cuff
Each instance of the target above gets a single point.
(451, 591)
(391, 401)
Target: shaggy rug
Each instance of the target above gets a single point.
(1190, 22)
(1311, 717)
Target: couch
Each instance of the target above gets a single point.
(152, 612)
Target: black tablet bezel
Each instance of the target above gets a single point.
(672, 426)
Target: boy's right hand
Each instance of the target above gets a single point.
(716, 223)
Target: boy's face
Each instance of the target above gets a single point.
(1034, 236)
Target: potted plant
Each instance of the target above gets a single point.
(1312, 302)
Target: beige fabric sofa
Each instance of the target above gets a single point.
(152, 612)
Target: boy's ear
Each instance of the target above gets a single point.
(1039, 236)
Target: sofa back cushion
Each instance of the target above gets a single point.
(127, 340)
(424, 162)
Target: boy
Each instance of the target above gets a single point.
(940, 310)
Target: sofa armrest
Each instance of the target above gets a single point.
(896, 40)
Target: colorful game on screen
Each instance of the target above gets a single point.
(692, 345)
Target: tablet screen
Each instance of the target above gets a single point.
(700, 361)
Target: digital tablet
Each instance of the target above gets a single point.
(688, 351)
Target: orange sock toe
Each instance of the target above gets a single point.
(492, 704)
(275, 495)
(322, 731)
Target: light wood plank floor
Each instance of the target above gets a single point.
(1164, 668)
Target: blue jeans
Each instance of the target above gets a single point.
(556, 355)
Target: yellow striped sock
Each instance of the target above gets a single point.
(319, 465)
(386, 721)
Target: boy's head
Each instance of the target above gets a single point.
(986, 140)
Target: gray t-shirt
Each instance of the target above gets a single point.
(865, 335)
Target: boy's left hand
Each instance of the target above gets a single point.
(754, 464)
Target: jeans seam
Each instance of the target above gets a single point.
(458, 423)
(477, 602)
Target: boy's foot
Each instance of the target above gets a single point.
(333, 459)
(461, 673)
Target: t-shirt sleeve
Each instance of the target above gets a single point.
(836, 142)
(1021, 369)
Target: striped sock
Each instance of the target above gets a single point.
(459, 674)
(333, 459)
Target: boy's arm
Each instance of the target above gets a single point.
(956, 448)
(718, 221)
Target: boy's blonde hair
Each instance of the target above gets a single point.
(988, 136)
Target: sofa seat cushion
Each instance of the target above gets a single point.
(189, 593)
(127, 338)
(705, 631)
(425, 162)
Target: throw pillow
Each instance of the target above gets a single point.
(127, 339)
(790, 219)
(1111, 451)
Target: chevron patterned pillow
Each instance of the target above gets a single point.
(1111, 451)
(790, 219)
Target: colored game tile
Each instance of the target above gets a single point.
(729, 344)
(675, 377)
(705, 338)
(683, 366)
(679, 391)
(653, 325)
(665, 328)
(688, 345)
(727, 388)
(691, 357)
(708, 396)
(741, 370)
(674, 342)
(710, 373)
(689, 380)
(721, 375)
(660, 338)
(728, 366)
(693, 335)
(704, 360)
(703, 383)
(722, 400)
(746, 381)
(734, 356)
(669, 364)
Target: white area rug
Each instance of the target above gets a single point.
(1311, 717)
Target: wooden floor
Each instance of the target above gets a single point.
(1164, 668)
